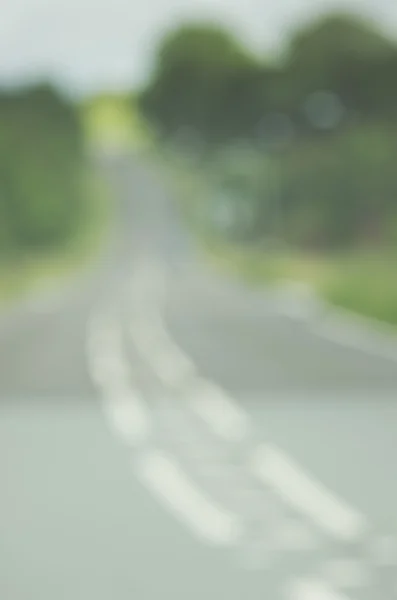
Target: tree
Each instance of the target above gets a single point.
(202, 80)
(346, 55)
(41, 160)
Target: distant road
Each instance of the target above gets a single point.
(167, 433)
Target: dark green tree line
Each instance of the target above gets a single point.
(41, 159)
(206, 79)
(334, 84)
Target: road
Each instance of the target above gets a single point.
(167, 433)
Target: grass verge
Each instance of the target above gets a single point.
(362, 283)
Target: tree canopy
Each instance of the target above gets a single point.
(41, 157)
(329, 100)
(206, 80)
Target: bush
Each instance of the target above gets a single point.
(340, 192)
(41, 159)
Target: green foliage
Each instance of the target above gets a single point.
(309, 142)
(341, 192)
(41, 159)
(206, 82)
(366, 284)
(203, 76)
(348, 56)
(330, 186)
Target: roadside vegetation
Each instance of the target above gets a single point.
(286, 165)
(53, 206)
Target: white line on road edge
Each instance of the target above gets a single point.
(312, 589)
(169, 483)
(222, 415)
(306, 494)
(349, 332)
(338, 325)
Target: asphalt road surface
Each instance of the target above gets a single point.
(167, 433)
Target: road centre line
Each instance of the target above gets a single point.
(109, 369)
(228, 420)
(127, 416)
(304, 493)
(167, 362)
(187, 502)
(312, 589)
(216, 408)
(174, 367)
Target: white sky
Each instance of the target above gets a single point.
(94, 43)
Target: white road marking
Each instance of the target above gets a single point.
(227, 420)
(128, 416)
(306, 494)
(340, 326)
(347, 573)
(187, 502)
(352, 332)
(173, 367)
(215, 407)
(109, 369)
(169, 363)
(351, 335)
(312, 589)
(179, 358)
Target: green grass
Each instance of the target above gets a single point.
(365, 284)
(39, 270)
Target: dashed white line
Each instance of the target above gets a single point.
(296, 536)
(169, 363)
(312, 589)
(127, 416)
(216, 408)
(174, 367)
(225, 418)
(187, 502)
(109, 369)
(307, 495)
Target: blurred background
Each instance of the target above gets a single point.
(270, 129)
(278, 122)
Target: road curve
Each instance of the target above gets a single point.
(165, 432)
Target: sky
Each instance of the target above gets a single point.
(93, 44)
